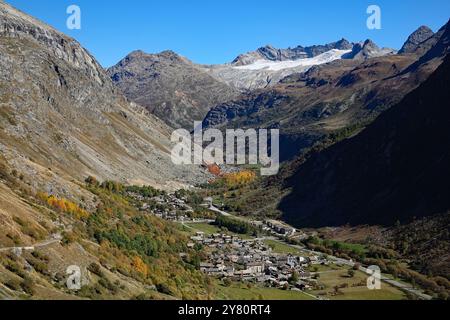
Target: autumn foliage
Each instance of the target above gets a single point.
(63, 205)
(140, 266)
(239, 178)
(214, 169)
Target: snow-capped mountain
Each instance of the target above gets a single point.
(323, 58)
(267, 65)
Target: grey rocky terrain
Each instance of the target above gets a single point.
(61, 117)
(169, 86)
(422, 34)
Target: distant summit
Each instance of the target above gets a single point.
(367, 50)
(415, 39)
(169, 86)
(271, 53)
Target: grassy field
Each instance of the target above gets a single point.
(203, 227)
(209, 229)
(279, 247)
(325, 268)
(332, 277)
(242, 292)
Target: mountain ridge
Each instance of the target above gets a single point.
(169, 86)
(395, 169)
(343, 93)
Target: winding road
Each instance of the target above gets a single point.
(42, 244)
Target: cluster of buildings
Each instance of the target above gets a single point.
(251, 260)
(167, 207)
(279, 228)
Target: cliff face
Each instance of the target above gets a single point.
(59, 110)
(15, 24)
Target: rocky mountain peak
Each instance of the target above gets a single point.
(271, 53)
(422, 34)
(136, 54)
(343, 44)
(368, 49)
(169, 86)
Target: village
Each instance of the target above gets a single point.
(237, 259)
(266, 256)
(229, 256)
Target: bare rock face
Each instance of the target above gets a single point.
(415, 39)
(367, 50)
(59, 110)
(169, 86)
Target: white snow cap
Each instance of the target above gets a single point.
(326, 57)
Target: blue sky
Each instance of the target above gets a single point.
(217, 31)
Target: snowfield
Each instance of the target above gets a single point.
(326, 57)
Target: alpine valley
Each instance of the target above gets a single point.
(87, 180)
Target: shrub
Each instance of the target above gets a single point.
(14, 267)
(113, 288)
(13, 284)
(163, 288)
(92, 181)
(95, 269)
(38, 265)
(28, 286)
(140, 266)
(227, 282)
(235, 225)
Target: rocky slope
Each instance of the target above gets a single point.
(169, 86)
(61, 118)
(396, 169)
(329, 98)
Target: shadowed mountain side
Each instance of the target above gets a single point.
(396, 169)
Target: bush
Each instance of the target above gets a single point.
(38, 265)
(14, 267)
(163, 288)
(113, 288)
(28, 286)
(13, 284)
(234, 225)
(96, 269)
(227, 282)
(63, 205)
